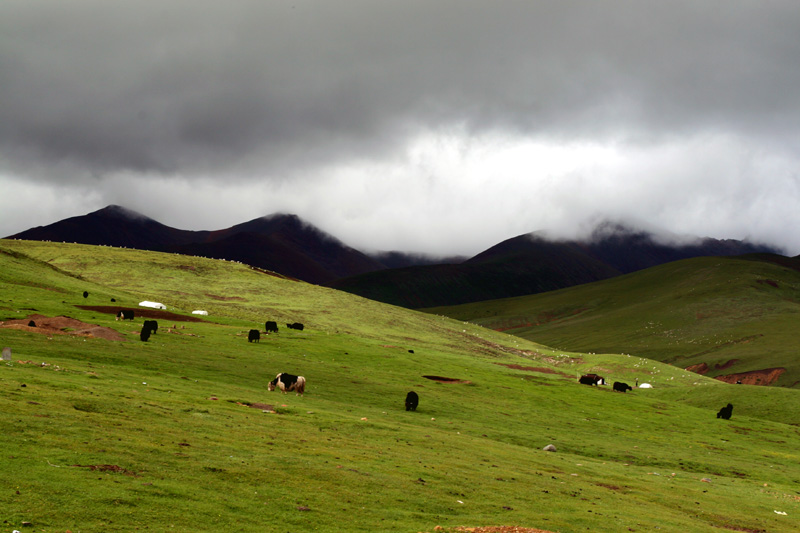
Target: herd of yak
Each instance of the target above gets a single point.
(289, 382)
(594, 379)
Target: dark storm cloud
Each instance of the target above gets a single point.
(531, 114)
(191, 87)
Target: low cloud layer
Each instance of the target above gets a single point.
(442, 127)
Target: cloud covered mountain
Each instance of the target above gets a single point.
(283, 243)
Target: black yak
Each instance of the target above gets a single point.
(412, 400)
(725, 412)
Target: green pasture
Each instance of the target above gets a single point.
(180, 433)
(733, 314)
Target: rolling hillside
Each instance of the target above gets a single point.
(723, 317)
(104, 432)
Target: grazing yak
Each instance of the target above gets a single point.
(144, 335)
(591, 379)
(152, 325)
(288, 382)
(412, 401)
(125, 314)
(254, 336)
(85, 294)
(725, 412)
(621, 387)
(296, 325)
(271, 326)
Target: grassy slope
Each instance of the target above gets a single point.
(347, 457)
(705, 310)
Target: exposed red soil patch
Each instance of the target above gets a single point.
(141, 312)
(767, 376)
(699, 368)
(703, 368)
(62, 325)
(491, 529)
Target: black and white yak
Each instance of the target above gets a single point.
(125, 314)
(287, 383)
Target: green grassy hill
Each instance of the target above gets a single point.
(179, 433)
(725, 316)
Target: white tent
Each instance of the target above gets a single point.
(154, 305)
(199, 312)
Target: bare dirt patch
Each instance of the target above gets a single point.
(699, 368)
(442, 379)
(62, 325)
(491, 529)
(107, 468)
(262, 406)
(767, 376)
(141, 312)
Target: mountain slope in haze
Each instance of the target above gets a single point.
(628, 249)
(531, 264)
(734, 318)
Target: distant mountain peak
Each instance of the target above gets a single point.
(117, 211)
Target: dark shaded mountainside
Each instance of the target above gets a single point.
(527, 264)
(531, 264)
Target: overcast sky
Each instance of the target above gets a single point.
(435, 126)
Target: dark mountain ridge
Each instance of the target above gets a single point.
(113, 226)
(283, 243)
(531, 264)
